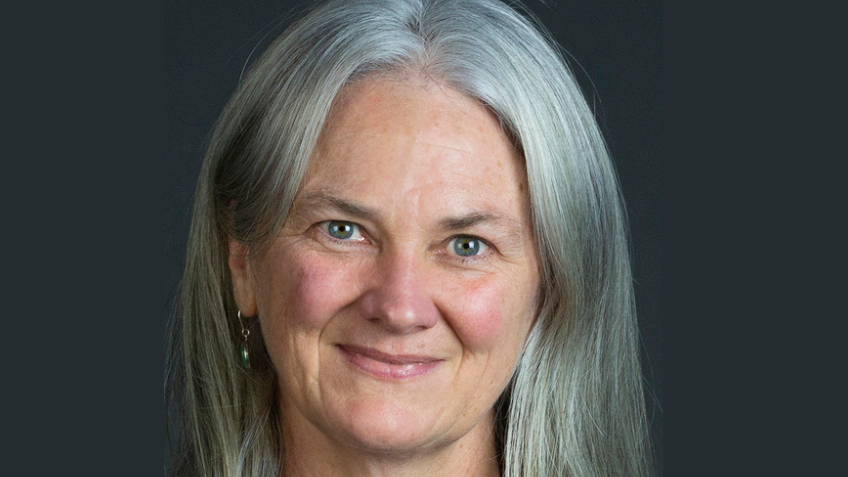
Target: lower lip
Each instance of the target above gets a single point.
(385, 370)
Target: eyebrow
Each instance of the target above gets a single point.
(326, 199)
(467, 221)
(511, 231)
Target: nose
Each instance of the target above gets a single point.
(399, 299)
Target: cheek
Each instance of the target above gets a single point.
(300, 293)
(488, 313)
(315, 290)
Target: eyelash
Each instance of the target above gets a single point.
(323, 226)
(474, 258)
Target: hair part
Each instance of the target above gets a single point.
(574, 406)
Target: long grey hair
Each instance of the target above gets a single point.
(575, 405)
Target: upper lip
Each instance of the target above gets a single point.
(388, 358)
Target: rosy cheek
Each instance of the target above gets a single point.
(480, 317)
(322, 287)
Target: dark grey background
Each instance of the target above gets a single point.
(615, 49)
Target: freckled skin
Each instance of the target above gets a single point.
(416, 153)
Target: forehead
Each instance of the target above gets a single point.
(404, 140)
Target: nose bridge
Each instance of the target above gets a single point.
(400, 299)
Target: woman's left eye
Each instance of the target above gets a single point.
(467, 247)
(342, 230)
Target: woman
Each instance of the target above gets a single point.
(409, 257)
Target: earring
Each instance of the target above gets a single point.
(244, 353)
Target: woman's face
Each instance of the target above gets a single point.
(396, 300)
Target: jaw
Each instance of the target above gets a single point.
(310, 450)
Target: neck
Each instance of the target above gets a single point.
(311, 452)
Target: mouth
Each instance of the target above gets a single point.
(388, 366)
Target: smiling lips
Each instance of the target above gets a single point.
(388, 366)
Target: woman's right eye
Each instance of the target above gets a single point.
(347, 231)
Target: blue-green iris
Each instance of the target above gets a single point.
(466, 246)
(341, 230)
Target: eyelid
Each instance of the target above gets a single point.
(323, 226)
(485, 251)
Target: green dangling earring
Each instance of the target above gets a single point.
(244, 352)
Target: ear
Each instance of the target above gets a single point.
(240, 271)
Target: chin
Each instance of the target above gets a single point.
(387, 428)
